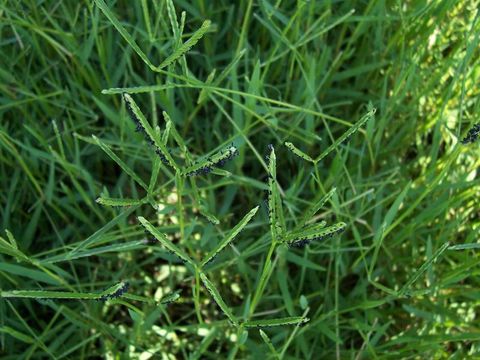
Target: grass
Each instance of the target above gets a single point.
(346, 227)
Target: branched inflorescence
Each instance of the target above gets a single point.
(472, 134)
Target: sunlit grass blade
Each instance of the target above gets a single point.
(120, 163)
(298, 152)
(465, 246)
(294, 320)
(346, 135)
(112, 292)
(230, 237)
(139, 117)
(218, 299)
(405, 288)
(165, 242)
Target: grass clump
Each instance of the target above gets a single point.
(276, 179)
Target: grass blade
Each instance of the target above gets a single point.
(294, 320)
(230, 237)
(113, 19)
(97, 234)
(120, 163)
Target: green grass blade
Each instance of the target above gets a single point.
(113, 19)
(218, 299)
(165, 242)
(230, 237)
(294, 320)
(96, 236)
(120, 163)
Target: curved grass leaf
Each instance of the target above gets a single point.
(230, 237)
(120, 162)
(299, 152)
(346, 135)
(165, 242)
(218, 299)
(112, 292)
(293, 320)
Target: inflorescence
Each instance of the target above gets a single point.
(472, 135)
(303, 241)
(217, 160)
(141, 129)
(122, 290)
